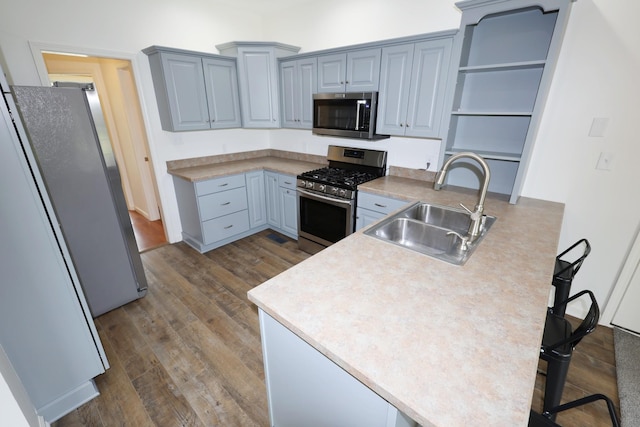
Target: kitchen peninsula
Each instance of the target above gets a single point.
(446, 345)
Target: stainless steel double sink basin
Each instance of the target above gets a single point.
(433, 230)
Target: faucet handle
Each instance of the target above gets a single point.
(475, 215)
(466, 209)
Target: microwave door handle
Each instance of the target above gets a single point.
(360, 103)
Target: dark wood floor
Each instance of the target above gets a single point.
(149, 234)
(189, 354)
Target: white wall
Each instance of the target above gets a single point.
(596, 77)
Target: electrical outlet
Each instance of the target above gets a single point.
(604, 161)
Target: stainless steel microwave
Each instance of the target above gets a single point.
(351, 115)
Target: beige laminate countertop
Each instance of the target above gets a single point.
(447, 345)
(276, 164)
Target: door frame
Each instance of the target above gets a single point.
(38, 48)
(627, 270)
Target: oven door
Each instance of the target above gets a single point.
(322, 220)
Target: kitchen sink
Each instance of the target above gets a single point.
(433, 230)
(454, 219)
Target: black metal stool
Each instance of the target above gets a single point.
(544, 419)
(558, 343)
(564, 272)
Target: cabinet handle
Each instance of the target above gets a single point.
(228, 227)
(401, 124)
(287, 182)
(223, 185)
(380, 206)
(407, 125)
(225, 204)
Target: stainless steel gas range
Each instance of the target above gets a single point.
(327, 197)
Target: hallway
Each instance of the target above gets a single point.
(149, 234)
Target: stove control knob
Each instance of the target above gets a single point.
(321, 187)
(334, 190)
(309, 184)
(343, 193)
(302, 183)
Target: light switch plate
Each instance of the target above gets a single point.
(604, 161)
(598, 126)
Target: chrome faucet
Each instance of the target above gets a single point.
(477, 217)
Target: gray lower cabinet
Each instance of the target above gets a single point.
(218, 211)
(213, 212)
(256, 197)
(282, 203)
(298, 83)
(356, 71)
(413, 82)
(194, 91)
(305, 388)
(372, 207)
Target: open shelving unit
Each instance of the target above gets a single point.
(506, 59)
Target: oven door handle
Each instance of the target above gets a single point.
(328, 199)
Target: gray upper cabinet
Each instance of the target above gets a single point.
(221, 82)
(356, 71)
(298, 82)
(194, 91)
(258, 80)
(413, 81)
(505, 54)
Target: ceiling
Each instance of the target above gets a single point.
(262, 6)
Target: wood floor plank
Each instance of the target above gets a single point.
(164, 400)
(119, 402)
(245, 386)
(133, 352)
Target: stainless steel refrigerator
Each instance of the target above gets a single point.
(66, 131)
(46, 328)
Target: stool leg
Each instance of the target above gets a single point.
(556, 376)
(563, 288)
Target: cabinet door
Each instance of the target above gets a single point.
(186, 94)
(221, 82)
(258, 88)
(395, 84)
(307, 84)
(272, 199)
(289, 210)
(363, 71)
(288, 94)
(256, 198)
(428, 87)
(331, 73)
(365, 217)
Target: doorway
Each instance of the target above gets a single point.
(115, 84)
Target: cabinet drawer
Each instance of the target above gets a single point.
(287, 181)
(219, 184)
(223, 203)
(224, 227)
(380, 204)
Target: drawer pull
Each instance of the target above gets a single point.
(228, 227)
(223, 185)
(287, 182)
(225, 204)
(380, 206)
